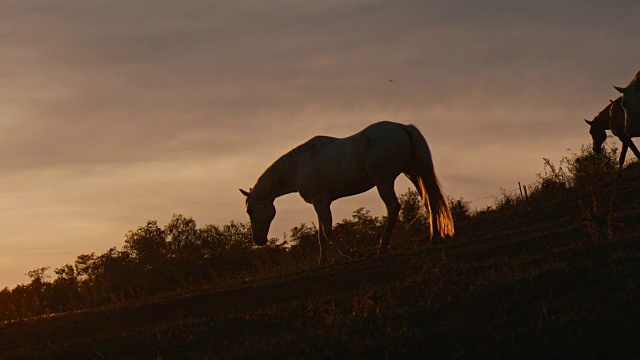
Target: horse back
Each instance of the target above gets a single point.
(339, 167)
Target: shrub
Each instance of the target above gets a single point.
(582, 171)
(587, 170)
(460, 208)
(505, 200)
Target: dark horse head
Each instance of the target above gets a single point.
(598, 125)
(598, 134)
(261, 213)
(631, 105)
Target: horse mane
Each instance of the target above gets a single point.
(604, 116)
(278, 174)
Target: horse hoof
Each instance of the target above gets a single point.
(383, 251)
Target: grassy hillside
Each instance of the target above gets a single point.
(551, 278)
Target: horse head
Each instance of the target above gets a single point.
(631, 105)
(261, 213)
(598, 134)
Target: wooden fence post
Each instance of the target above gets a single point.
(520, 186)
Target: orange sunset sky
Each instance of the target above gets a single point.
(116, 112)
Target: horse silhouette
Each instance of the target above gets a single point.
(325, 169)
(631, 106)
(611, 118)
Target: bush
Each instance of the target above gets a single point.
(505, 200)
(582, 171)
(553, 183)
(460, 208)
(587, 170)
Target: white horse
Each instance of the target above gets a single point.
(325, 169)
(631, 105)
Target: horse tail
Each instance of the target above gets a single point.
(421, 172)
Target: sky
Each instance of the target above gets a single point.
(115, 113)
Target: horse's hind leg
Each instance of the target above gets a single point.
(388, 195)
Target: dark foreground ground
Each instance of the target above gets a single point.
(554, 281)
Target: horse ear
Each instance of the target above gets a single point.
(620, 89)
(245, 193)
(588, 122)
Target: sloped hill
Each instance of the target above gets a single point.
(551, 279)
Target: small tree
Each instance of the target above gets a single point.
(410, 206)
(181, 233)
(460, 208)
(38, 276)
(147, 245)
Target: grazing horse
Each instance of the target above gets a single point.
(611, 118)
(631, 106)
(325, 169)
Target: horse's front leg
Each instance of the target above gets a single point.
(623, 154)
(325, 235)
(388, 195)
(323, 209)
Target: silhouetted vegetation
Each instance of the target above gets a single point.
(158, 259)
(579, 173)
(540, 276)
